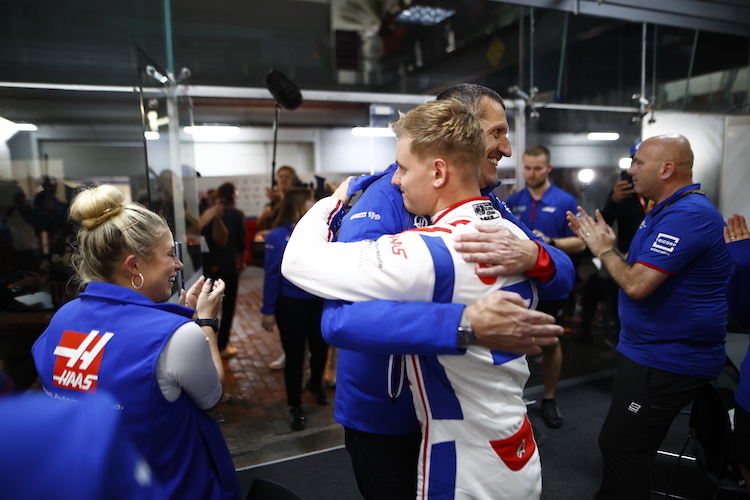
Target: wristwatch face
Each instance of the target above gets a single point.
(464, 338)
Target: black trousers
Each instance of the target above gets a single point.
(232, 285)
(299, 323)
(645, 401)
(385, 466)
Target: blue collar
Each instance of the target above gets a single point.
(98, 290)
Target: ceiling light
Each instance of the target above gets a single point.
(212, 132)
(426, 16)
(26, 127)
(625, 163)
(603, 136)
(372, 132)
(151, 136)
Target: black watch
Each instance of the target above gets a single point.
(213, 323)
(552, 242)
(464, 335)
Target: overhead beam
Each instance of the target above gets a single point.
(731, 17)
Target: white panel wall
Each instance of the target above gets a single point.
(706, 135)
(736, 173)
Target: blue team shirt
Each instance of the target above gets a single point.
(546, 215)
(681, 327)
(738, 299)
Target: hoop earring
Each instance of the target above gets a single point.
(132, 281)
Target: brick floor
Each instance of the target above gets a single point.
(254, 413)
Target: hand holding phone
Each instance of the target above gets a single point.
(180, 274)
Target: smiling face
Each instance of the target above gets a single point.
(495, 126)
(414, 178)
(160, 272)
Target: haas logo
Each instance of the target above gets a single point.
(78, 358)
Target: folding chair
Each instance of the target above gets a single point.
(711, 437)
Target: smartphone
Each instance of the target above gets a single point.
(625, 176)
(180, 274)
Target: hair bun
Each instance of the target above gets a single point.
(93, 207)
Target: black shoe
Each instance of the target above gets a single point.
(319, 393)
(298, 418)
(551, 414)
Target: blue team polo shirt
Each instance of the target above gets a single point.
(546, 215)
(681, 327)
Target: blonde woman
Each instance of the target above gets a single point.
(160, 361)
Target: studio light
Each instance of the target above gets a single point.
(426, 16)
(625, 163)
(372, 132)
(586, 176)
(603, 136)
(151, 136)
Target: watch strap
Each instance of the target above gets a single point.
(213, 323)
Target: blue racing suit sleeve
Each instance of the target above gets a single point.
(565, 272)
(388, 327)
(738, 285)
(381, 326)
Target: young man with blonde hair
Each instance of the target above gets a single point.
(476, 439)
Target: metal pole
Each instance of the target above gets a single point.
(562, 55)
(275, 134)
(690, 70)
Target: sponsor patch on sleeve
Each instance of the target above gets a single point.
(664, 244)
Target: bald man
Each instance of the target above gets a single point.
(672, 308)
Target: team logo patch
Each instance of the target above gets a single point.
(518, 449)
(664, 244)
(485, 211)
(421, 221)
(551, 210)
(79, 356)
(634, 407)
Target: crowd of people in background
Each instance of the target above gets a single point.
(488, 283)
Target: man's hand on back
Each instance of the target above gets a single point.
(503, 322)
(500, 252)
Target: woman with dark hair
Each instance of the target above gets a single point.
(296, 312)
(226, 259)
(160, 361)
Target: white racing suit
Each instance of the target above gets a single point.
(476, 440)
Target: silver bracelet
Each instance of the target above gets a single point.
(605, 252)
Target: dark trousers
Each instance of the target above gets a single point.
(385, 466)
(645, 401)
(299, 323)
(232, 283)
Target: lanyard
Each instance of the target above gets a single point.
(692, 191)
(646, 205)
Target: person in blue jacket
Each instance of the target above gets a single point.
(296, 312)
(382, 433)
(70, 451)
(672, 306)
(160, 361)
(737, 238)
